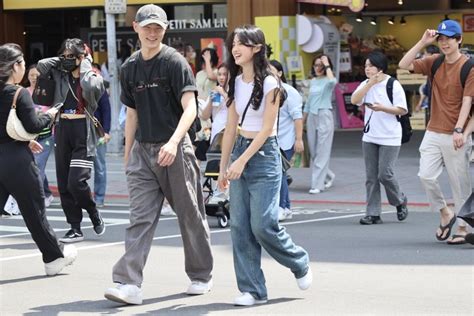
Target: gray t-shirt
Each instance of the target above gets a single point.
(155, 92)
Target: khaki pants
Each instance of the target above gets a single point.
(436, 151)
(148, 185)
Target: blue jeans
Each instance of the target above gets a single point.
(100, 174)
(284, 192)
(254, 219)
(42, 158)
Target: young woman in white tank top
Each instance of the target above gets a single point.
(253, 170)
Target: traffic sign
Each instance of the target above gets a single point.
(115, 6)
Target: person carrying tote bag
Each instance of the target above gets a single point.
(19, 175)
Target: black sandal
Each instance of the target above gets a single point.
(455, 236)
(446, 229)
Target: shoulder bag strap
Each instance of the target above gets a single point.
(15, 97)
(94, 120)
(436, 64)
(465, 70)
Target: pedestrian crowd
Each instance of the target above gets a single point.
(258, 120)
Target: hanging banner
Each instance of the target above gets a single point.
(354, 5)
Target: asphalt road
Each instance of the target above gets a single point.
(397, 268)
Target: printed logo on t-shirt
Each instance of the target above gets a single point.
(142, 85)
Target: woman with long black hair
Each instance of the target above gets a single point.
(254, 169)
(19, 174)
(79, 87)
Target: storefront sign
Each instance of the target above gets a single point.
(354, 5)
(468, 22)
(62, 4)
(294, 65)
(345, 60)
(198, 24)
(98, 40)
(350, 115)
(115, 6)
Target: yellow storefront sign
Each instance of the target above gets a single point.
(64, 4)
(354, 5)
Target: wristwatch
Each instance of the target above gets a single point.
(458, 130)
(326, 67)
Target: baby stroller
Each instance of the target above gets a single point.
(216, 203)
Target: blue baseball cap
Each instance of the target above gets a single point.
(449, 28)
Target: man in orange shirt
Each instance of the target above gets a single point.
(443, 143)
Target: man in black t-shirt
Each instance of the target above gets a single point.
(159, 91)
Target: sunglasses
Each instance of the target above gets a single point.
(68, 56)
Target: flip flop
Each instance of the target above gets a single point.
(460, 242)
(469, 238)
(446, 229)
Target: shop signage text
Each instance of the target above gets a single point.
(354, 5)
(197, 24)
(115, 6)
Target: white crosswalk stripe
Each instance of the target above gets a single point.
(13, 226)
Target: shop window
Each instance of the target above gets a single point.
(188, 12)
(98, 19)
(219, 11)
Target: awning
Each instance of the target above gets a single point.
(66, 4)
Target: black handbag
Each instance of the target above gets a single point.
(43, 94)
(285, 163)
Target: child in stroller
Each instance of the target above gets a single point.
(217, 203)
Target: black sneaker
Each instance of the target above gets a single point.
(73, 235)
(402, 210)
(369, 220)
(99, 226)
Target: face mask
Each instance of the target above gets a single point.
(69, 64)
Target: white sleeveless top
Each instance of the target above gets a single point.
(253, 121)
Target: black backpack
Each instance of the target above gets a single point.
(404, 120)
(167, 52)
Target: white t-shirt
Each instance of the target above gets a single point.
(384, 127)
(253, 121)
(290, 111)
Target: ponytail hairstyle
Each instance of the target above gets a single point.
(278, 66)
(251, 36)
(75, 45)
(10, 54)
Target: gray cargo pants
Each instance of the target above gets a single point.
(148, 185)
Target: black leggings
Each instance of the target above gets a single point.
(19, 176)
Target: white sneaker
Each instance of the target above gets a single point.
(328, 184)
(246, 299)
(305, 282)
(125, 293)
(284, 213)
(215, 199)
(54, 267)
(314, 191)
(48, 200)
(167, 210)
(11, 206)
(198, 288)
